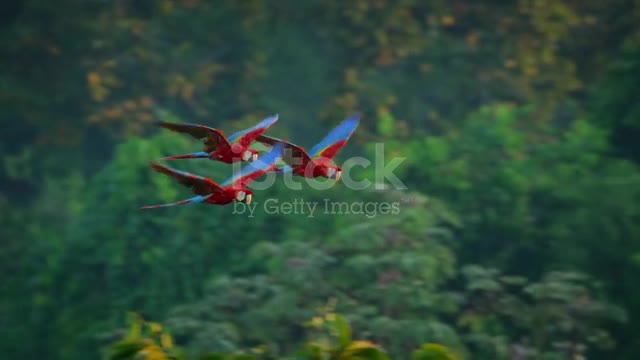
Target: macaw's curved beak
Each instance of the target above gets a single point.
(248, 199)
(255, 156)
(338, 175)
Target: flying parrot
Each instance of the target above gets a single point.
(217, 146)
(234, 189)
(318, 161)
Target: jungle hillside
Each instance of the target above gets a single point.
(514, 126)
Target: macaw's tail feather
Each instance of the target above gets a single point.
(193, 200)
(196, 155)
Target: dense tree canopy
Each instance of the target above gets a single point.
(519, 234)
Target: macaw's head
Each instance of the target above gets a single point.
(250, 155)
(333, 172)
(243, 196)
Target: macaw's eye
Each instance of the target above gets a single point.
(220, 156)
(240, 195)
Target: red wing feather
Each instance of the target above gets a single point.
(293, 154)
(247, 136)
(330, 151)
(336, 139)
(212, 137)
(198, 184)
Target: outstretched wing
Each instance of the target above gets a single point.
(336, 139)
(247, 136)
(293, 155)
(257, 168)
(212, 137)
(198, 184)
(193, 200)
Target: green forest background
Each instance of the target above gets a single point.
(518, 238)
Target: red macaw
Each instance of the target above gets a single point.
(318, 161)
(234, 189)
(217, 146)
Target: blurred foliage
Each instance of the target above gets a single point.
(557, 317)
(383, 273)
(329, 339)
(144, 340)
(518, 121)
(616, 106)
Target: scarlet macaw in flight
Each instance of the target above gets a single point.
(318, 161)
(219, 147)
(234, 189)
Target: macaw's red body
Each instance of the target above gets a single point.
(319, 161)
(217, 146)
(234, 189)
(207, 190)
(313, 168)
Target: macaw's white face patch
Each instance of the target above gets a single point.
(247, 155)
(334, 174)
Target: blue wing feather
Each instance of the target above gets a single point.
(341, 132)
(196, 155)
(193, 200)
(264, 124)
(262, 164)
